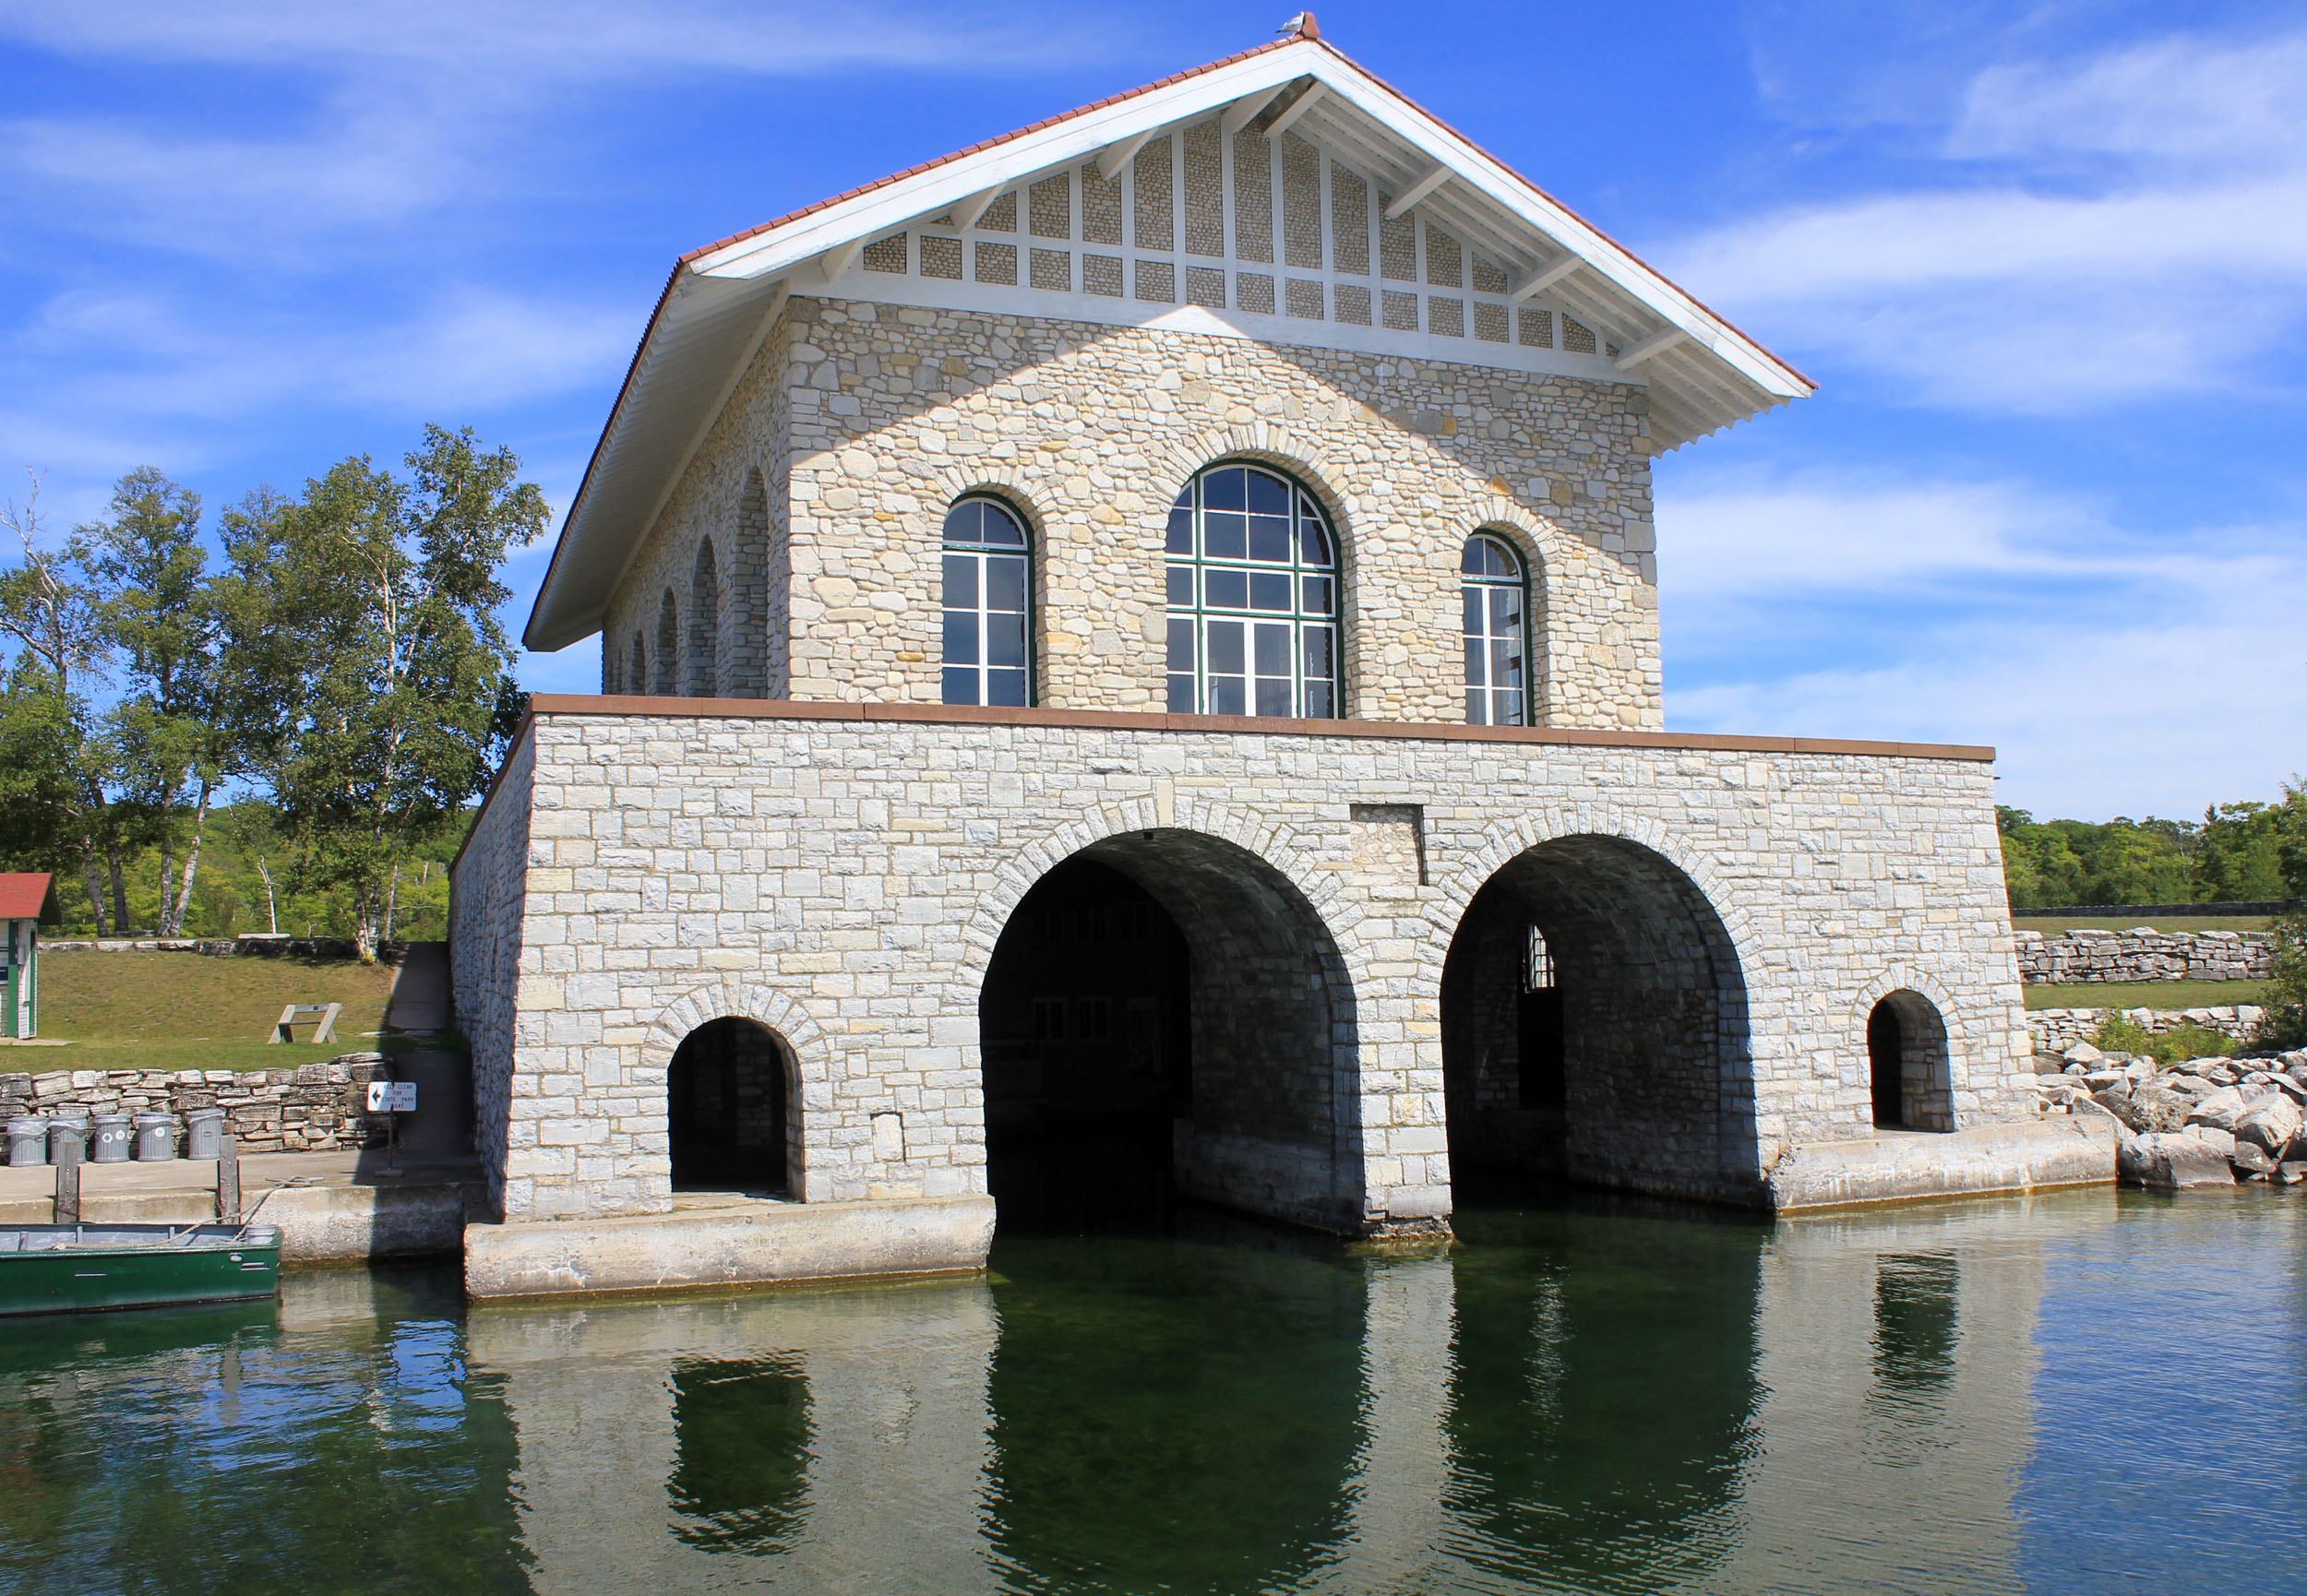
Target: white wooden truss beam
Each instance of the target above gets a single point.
(1115, 158)
(1657, 342)
(835, 262)
(1294, 110)
(1425, 185)
(1243, 112)
(966, 213)
(1545, 277)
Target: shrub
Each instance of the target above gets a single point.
(2284, 1023)
(2118, 1032)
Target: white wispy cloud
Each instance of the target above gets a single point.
(2126, 227)
(2110, 669)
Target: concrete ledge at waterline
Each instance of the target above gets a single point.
(745, 1242)
(1907, 1165)
(335, 1225)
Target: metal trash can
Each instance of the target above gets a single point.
(204, 1132)
(70, 1123)
(115, 1133)
(156, 1137)
(27, 1141)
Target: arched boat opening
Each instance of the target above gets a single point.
(1593, 1030)
(1166, 1016)
(728, 1101)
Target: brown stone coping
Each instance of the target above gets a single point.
(1124, 721)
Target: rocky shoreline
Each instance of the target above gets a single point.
(2203, 1122)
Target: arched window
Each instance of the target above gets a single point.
(727, 1108)
(704, 623)
(637, 680)
(668, 646)
(1497, 600)
(988, 596)
(1253, 598)
(1907, 1064)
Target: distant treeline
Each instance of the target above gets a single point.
(2238, 852)
(282, 720)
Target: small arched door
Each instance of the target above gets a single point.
(728, 1109)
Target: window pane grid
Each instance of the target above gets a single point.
(987, 606)
(1495, 597)
(1252, 597)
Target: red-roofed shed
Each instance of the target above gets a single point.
(23, 896)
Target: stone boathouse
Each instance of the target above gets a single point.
(1130, 667)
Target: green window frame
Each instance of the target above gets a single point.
(1253, 598)
(1494, 592)
(988, 599)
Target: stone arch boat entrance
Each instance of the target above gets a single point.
(1594, 1029)
(728, 1103)
(1165, 1015)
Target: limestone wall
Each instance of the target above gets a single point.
(311, 1108)
(866, 421)
(488, 903)
(841, 877)
(2056, 1030)
(2091, 957)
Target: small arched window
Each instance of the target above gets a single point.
(668, 646)
(1253, 598)
(637, 679)
(988, 601)
(1496, 594)
(704, 623)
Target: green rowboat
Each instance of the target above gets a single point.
(77, 1269)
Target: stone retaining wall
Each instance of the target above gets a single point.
(2082, 957)
(225, 946)
(312, 1108)
(2056, 1030)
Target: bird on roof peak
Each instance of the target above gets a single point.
(1303, 25)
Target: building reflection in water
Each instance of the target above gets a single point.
(1607, 1397)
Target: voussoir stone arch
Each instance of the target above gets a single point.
(1176, 462)
(1956, 1024)
(1460, 877)
(740, 1000)
(1275, 843)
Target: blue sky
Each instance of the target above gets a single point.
(2048, 264)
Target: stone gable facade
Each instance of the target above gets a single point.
(1091, 949)
(874, 419)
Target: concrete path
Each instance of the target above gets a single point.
(420, 998)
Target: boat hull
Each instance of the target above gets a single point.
(84, 1269)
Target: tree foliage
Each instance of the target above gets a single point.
(344, 673)
(2233, 855)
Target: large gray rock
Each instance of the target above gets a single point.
(2222, 1109)
(2082, 1053)
(2211, 1135)
(2249, 1158)
(2271, 1123)
(2156, 1108)
(2170, 1163)
(2180, 1080)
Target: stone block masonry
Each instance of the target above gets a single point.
(2082, 957)
(824, 485)
(842, 873)
(312, 1108)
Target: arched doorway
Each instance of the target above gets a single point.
(728, 1108)
(1593, 1030)
(1908, 1073)
(1166, 1016)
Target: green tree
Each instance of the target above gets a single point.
(367, 610)
(2285, 1022)
(2237, 856)
(172, 728)
(55, 770)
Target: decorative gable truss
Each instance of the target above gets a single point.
(1283, 193)
(1242, 225)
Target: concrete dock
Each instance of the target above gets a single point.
(330, 1207)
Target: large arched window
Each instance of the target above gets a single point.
(637, 680)
(988, 596)
(704, 623)
(1496, 601)
(668, 646)
(1253, 598)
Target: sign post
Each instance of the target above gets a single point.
(392, 1099)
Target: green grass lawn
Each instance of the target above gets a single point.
(183, 1011)
(2240, 923)
(2147, 995)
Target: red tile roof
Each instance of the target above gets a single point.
(22, 894)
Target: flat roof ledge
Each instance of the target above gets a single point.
(646, 708)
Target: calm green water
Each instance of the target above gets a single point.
(2078, 1393)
